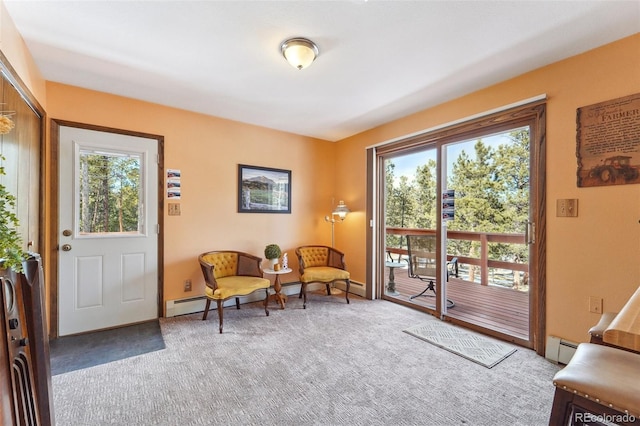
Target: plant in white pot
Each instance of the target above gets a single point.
(272, 252)
(11, 253)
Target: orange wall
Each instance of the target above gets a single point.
(207, 150)
(595, 254)
(13, 47)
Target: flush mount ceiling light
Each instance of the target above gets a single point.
(299, 52)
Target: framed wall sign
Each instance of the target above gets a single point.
(263, 190)
(608, 142)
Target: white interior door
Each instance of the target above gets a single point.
(108, 260)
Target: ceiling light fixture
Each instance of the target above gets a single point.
(299, 52)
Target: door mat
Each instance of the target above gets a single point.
(474, 347)
(71, 353)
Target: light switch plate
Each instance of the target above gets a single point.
(567, 207)
(174, 209)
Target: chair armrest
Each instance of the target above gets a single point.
(336, 259)
(249, 265)
(207, 272)
(301, 265)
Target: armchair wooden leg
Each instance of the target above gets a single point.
(328, 289)
(220, 312)
(237, 303)
(303, 292)
(206, 309)
(347, 292)
(266, 302)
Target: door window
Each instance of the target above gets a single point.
(110, 193)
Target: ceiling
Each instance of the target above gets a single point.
(379, 60)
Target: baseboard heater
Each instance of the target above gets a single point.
(191, 305)
(185, 306)
(560, 350)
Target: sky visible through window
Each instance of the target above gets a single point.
(406, 164)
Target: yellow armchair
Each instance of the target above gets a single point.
(231, 274)
(321, 264)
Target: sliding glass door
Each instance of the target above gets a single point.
(457, 212)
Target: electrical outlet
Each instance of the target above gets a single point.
(174, 209)
(567, 207)
(187, 285)
(595, 305)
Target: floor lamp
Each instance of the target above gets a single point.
(341, 211)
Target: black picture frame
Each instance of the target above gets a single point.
(263, 189)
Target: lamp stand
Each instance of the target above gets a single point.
(332, 289)
(333, 232)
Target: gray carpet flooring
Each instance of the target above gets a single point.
(331, 364)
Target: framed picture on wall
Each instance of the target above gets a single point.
(263, 190)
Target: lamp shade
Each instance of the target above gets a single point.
(299, 52)
(341, 210)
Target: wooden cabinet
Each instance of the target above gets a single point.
(7, 416)
(25, 371)
(19, 405)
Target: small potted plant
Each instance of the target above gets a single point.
(272, 252)
(11, 253)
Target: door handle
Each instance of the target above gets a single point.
(530, 233)
(66, 232)
(66, 247)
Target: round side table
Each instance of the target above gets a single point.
(391, 285)
(277, 286)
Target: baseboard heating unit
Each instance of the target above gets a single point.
(185, 306)
(560, 350)
(191, 305)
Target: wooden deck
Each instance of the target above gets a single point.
(499, 309)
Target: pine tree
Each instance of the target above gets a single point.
(492, 196)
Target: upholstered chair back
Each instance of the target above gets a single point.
(225, 263)
(314, 256)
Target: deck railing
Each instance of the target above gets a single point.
(483, 262)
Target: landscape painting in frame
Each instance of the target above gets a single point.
(263, 190)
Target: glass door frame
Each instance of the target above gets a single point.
(531, 113)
